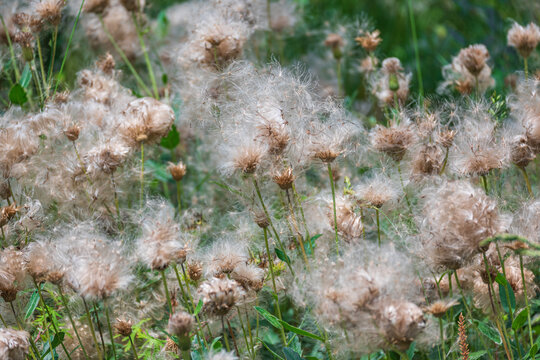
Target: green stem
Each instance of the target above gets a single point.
(225, 335)
(166, 291)
(51, 318)
(179, 196)
(11, 50)
(526, 67)
(259, 195)
(55, 38)
(416, 52)
(378, 227)
(110, 328)
(146, 57)
(338, 74)
(271, 267)
(133, 347)
(445, 161)
(441, 331)
(68, 45)
(40, 56)
(527, 182)
(92, 330)
(71, 321)
(526, 299)
(485, 183)
(141, 200)
(99, 326)
(331, 177)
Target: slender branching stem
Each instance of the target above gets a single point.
(111, 334)
(271, 267)
(527, 182)
(416, 51)
(225, 335)
(141, 198)
(92, 329)
(378, 226)
(133, 347)
(259, 195)
(55, 328)
(53, 55)
(99, 327)
(68, 312)
(297, 230)
(331, 177)
(526, 67)
(120, 52)
(146, 57)
(167, 295)
(529, 322)
(68, 45)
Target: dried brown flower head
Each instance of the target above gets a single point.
(260, 219)
(50, 10)
(392, 66)
(524, 38)
(401, 322)
(220, 295)
(106, 63)
(521, 152)
(133, 5)
(349, 224)
(275, 135)
(147, 120)
(474, 58)
(7, 213)
(326, 155)
(394, 140)
(369, 40)
(194, 270)
(248, 158)
(123, 327)
(284, 179)
(250, 277)
(439, 308)
(446, 138)
(14, 344)
(180, 324)
(177, 171)
(95, 6)
(334, 41)
(428, 160)
(72, 132)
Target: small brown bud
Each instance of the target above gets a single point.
(7, 213)
(369, 41)
(177, 171)
(284, 179)
(123, 327)
(72, 132)
(194, 270)
(106, 63)
(261, 219)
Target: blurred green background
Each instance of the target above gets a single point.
(443, 27)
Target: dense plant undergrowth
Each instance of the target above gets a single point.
(236, 179)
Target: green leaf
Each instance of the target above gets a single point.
(198, 308)
(300, 331)
(158, 170)
(290, 354)
(58, 338)
(172, 139)
(477, 354)
(412, 349)
(216, 344)
(533, 351)
(269, 349)
(489, 332)
(271, 318)
(32, 304)
(520, 319)
(17, 95)
(282, 256)
(26, 76)
(162, 24)
(506, 293)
